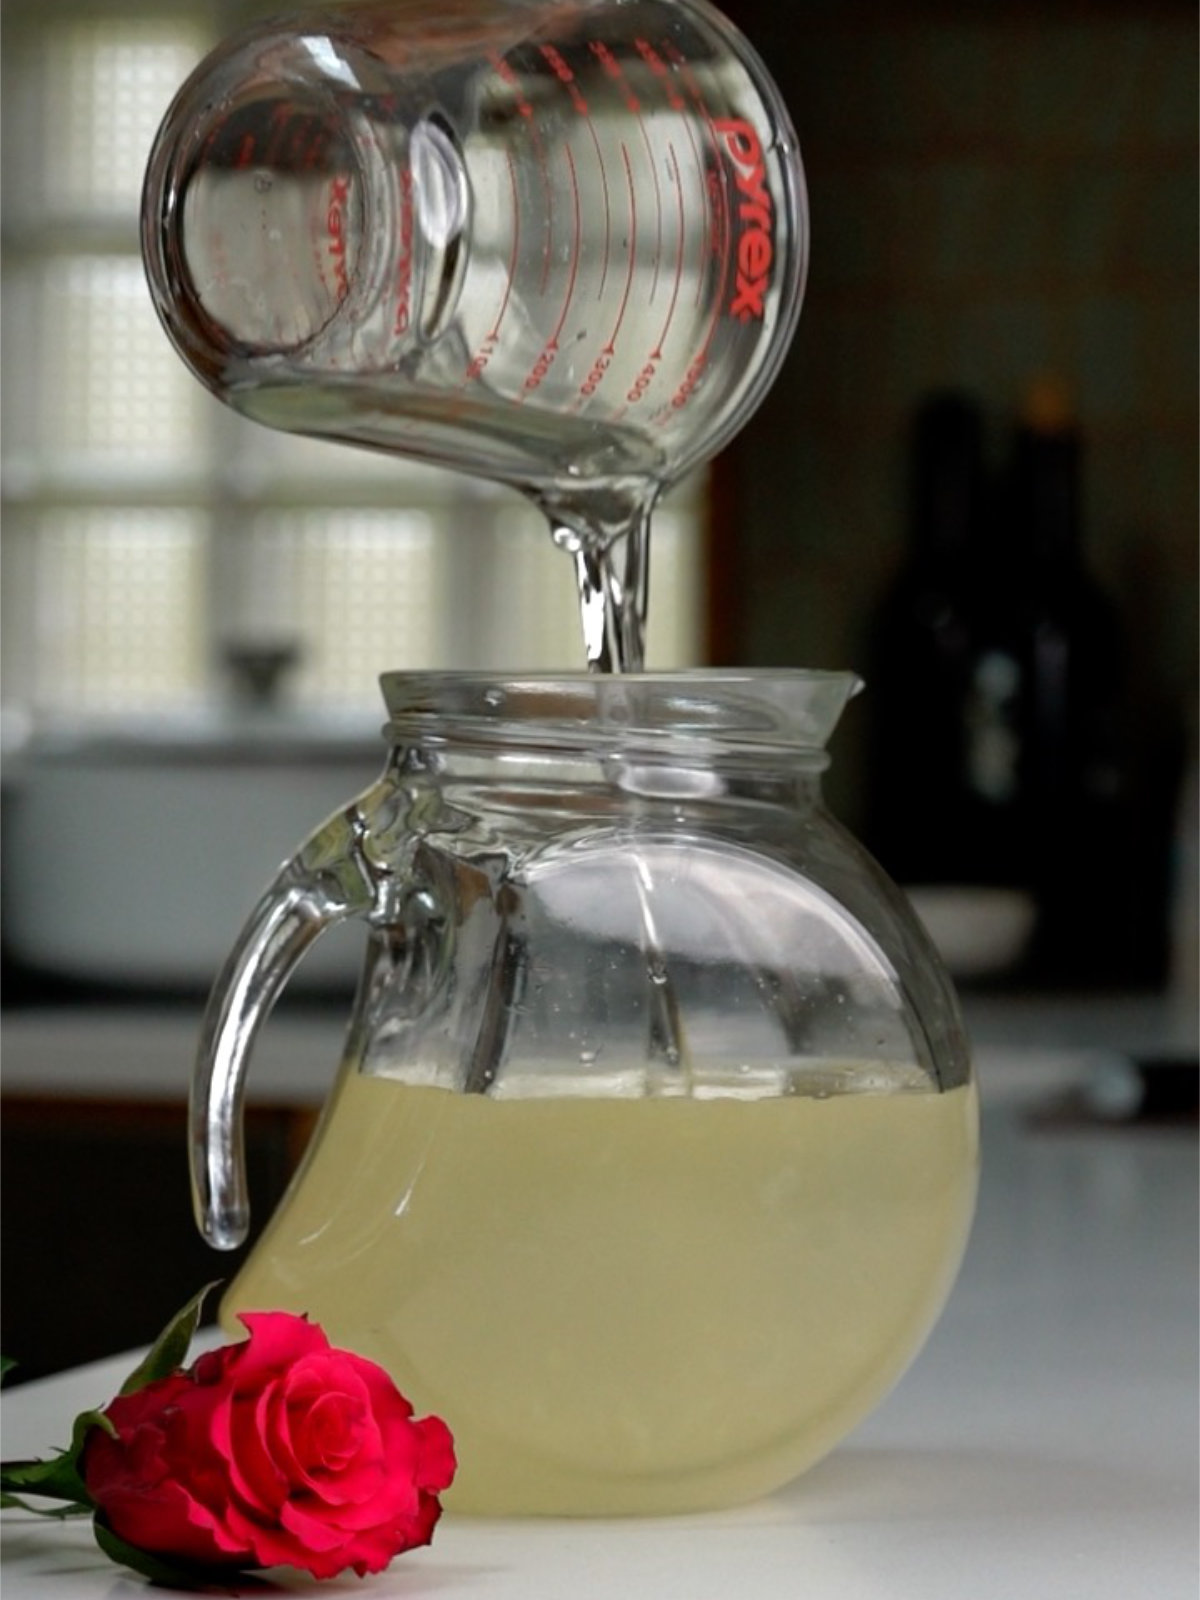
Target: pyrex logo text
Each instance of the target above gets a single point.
(755, 249)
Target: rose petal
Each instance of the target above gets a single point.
(277, 1341)
(169, 1522)
(374, 1549)
(336, 1386)
(279, 1450)
(293, 1541)
(437, 1462)
(251, 1472)
(328, 1435)
(132, 1481)
(386, 1398)
(316, 1532)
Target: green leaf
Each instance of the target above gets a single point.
(161, 1569)
(167, 1353)
(6, 1365)
(60, 1479)
(57, 1479)
(84, 1422)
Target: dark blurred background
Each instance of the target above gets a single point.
(998, 192)
(1004, 205)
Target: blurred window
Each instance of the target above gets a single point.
(145, 526)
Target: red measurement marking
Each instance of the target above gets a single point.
(691, 378)
(335, 229)
(540, 368)
(612, 68)
(645, 377)
(516, 238)
(546, 360)
(658, 211)
(565, 74)
(562, 71)
(661, 71)
(404, 266)
(607, 210)
(698, 164)
(245, 155)
(599, 367)
(616, 72)
(609, 350)
(721, 234)
(576, 239)
(633, 221)
(508, 74)
(486, 350)
(505, 71)
(294, 144)
(482, 356)
(679, 235)
(718, 213)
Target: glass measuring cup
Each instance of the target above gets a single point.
(559, 243)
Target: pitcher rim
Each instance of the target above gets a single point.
(730, 708)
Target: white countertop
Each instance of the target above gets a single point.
(1044, 1445)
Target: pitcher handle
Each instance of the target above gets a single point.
(329, 879)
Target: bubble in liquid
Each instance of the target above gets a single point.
(262, 182)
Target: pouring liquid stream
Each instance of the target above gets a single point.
(558, 247)
(612, 569)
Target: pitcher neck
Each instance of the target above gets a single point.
(683, 718)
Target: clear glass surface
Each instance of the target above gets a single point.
(538, 240)
(653, 1151)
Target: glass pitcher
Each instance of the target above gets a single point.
(653, 1151)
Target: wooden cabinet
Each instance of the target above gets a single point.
(99, 1243)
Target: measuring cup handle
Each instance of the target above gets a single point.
(329, 879)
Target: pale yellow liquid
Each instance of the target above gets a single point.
(639, 1305)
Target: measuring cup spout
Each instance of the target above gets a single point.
(329, 879)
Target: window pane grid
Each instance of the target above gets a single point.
(113, 394)
(119, 597)
(92, 92)
(363, 589)
(533, 622)
(152, 524)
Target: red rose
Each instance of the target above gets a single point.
(277, 1451)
